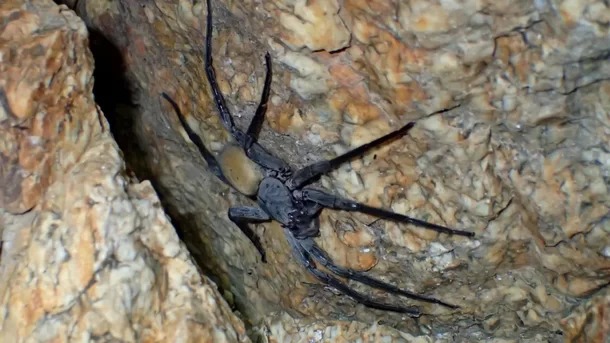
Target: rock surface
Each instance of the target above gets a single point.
(590, 321)
(523, 161)
(87, 253)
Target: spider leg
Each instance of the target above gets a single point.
(246, 140)
(305, 222)
(205, 153)
(322, 257)
(243, 215)
(259, 116)
(305, 174)
(316, 169)
(305, 258)
(225, 114)
(313, 208)
(339, 203)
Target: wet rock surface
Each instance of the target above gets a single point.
(523, 161)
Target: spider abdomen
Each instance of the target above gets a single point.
(275, 198)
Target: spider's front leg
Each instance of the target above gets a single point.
(322, 257)
(302, 250)
(332, 201)
(306, 174)
(310, 172)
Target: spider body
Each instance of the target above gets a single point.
(275, 198)
(284, 195)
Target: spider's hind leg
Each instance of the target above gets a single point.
(243, 215)
(251, 134)
(259, 116)
(205, 153)
(248, 139)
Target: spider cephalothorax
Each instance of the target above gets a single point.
(284, 195)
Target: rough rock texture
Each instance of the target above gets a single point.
(286, 329)
(523, 162)
(87, 254)
(590, 322)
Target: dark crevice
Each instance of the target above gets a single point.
(114, 96)
(117, 98)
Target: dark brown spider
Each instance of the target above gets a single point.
(285, 196)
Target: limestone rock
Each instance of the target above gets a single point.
(286, 329)
(589, 322)
(87, 252)
(523, 161)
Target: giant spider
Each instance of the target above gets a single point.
(284, 195)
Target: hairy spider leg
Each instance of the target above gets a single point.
(207, 155)
(225, 114)
(304, 256)
(339, 203)
(253, 150)
(322, 257)
(259, 116)
(243, 215)
(307, 173)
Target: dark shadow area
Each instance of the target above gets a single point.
(116, 97)
(111, 86)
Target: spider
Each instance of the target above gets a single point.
(284, 195)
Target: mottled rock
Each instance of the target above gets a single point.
(286, 329)
(87, 252)
(590, 321)
(523, 161)
(313, 24)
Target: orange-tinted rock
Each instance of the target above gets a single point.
(86, 252)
